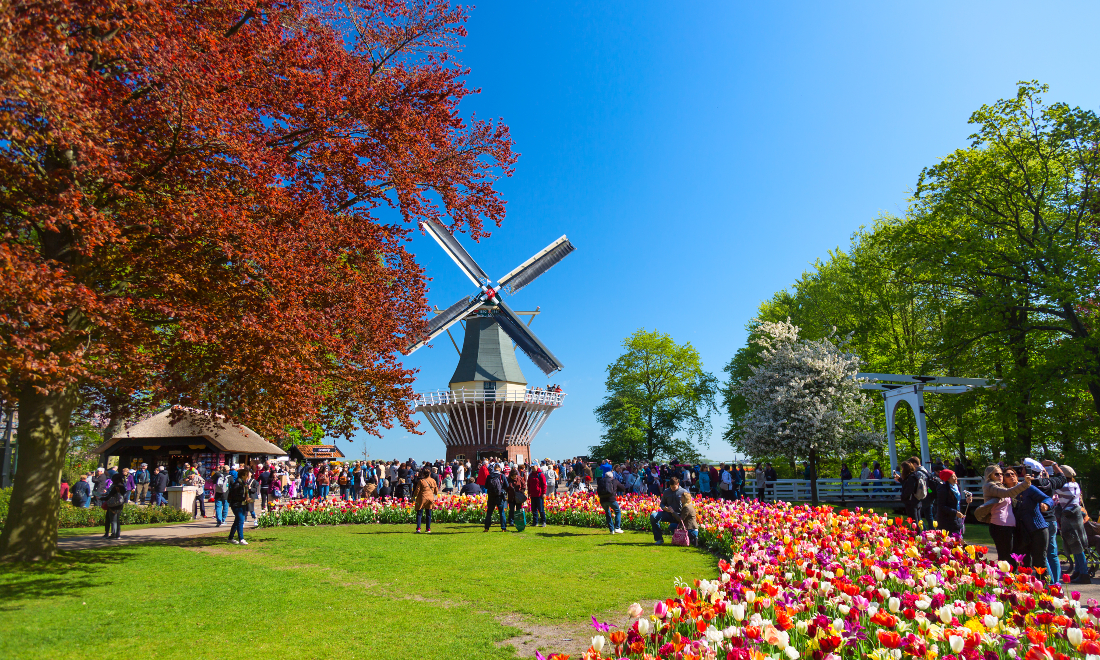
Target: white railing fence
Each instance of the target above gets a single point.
(851, 490)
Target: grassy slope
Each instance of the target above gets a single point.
(348, 592)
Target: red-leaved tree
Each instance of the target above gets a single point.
(206, 204)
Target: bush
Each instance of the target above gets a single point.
(132, 514)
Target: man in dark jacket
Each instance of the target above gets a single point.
(160, 486)
(470, 488)
(141, 483)
(497, 490)
(1048, 477)
(608, 489)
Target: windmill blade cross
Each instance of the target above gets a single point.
(526, 340)
(456, 252)
(543, 261)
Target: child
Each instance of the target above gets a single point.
(687, 516)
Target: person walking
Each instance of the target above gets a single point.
(671, 507)
(536, 490)
(914, 488)
(160, 486)
(497, 492)
(254, 490)
(608, 489)
(425, 491)
(999, 487)
(727, 483)
(113, 503)
(222, 481)
(309, 484)
(239, 497)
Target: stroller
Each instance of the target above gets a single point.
(1092, 551)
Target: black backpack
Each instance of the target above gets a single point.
(494, 485)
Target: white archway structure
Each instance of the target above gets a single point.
(897, 389)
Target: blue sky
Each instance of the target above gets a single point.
(701, 156)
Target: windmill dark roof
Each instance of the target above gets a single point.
(487, 354)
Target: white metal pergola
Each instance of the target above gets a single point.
(897, 389)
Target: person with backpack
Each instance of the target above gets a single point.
(1049, 477)
(113, 501)
(914, 488)
(608, 489)
(239, 497)
(425, 492)
(497, 492)
(194, 479)
(81, 492)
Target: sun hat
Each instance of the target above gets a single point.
(1034, 466)
(1069, 472)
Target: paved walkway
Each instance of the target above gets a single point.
(167, 533)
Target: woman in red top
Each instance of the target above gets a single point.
(536, 490)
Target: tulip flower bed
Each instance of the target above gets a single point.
(798, 582)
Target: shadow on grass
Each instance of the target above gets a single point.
(69, 572)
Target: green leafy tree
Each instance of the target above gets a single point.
(656, 389)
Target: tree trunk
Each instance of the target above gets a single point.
(30, 532)
(813, 476)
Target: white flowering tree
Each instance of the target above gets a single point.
(803, 399)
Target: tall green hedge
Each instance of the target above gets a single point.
(132, 514)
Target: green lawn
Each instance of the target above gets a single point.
(354, 591)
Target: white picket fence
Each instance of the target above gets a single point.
(852, 490)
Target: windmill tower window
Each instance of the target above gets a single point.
(490, 389)
(489, 424)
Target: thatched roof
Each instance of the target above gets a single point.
(230, 438)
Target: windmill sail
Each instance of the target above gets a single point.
(526, 340)
(529, 270)
(446, 319)
(456, 252)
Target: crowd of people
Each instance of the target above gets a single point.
(1026, 506)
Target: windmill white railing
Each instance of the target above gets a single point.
(488, 417)
(527, 395)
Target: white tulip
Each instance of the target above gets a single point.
(738, 611)
(598, 642)
(1075, 637)
(791, 653)
(957, 643)
(946, 613)
(643, 627)
(750, 596)
(997, 608)
(894, 604)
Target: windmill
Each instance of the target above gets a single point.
(488, 410)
